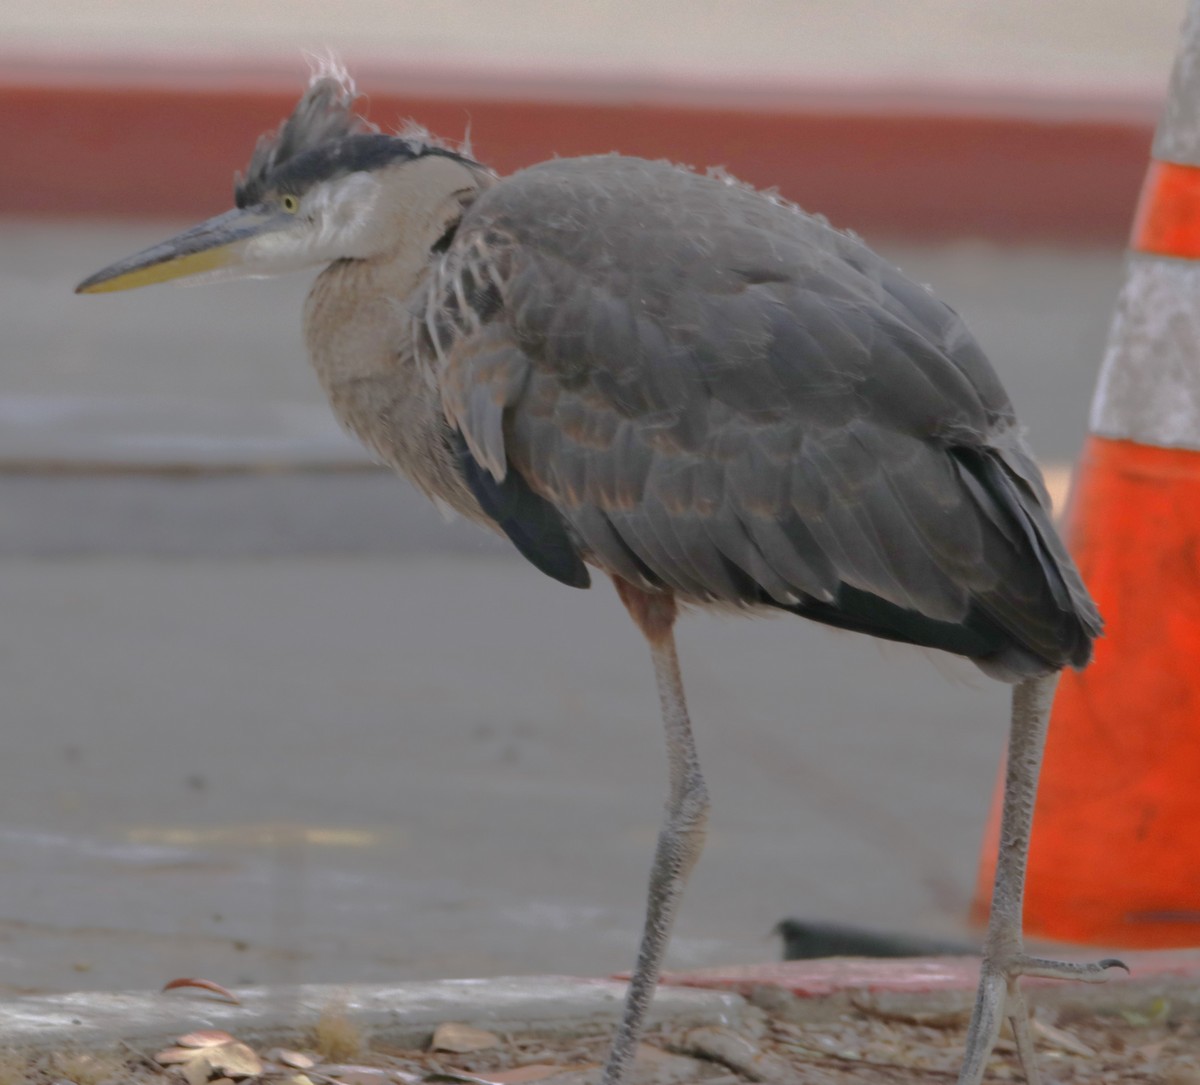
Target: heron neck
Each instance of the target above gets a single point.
(359, 332)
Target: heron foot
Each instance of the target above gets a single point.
(999, 998)
(1091, 972)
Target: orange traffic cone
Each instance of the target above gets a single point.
(1115, 854)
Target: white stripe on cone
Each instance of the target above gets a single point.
(1178, 135)
(1149, 385)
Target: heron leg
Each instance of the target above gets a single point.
(1004, 957)
(682, 834)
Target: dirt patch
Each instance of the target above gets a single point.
(854, 1047)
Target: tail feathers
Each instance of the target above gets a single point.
(1059, 621)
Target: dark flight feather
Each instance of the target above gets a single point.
(532, 524)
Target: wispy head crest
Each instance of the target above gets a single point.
(422, 140)
(325, 113)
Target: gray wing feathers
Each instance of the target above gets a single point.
(727, 397)
(483, 377)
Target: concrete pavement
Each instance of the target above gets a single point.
(307, 769)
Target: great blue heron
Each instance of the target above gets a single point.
(695, 388)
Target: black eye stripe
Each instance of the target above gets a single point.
(335, 159)
(339, 158)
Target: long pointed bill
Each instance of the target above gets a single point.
(210, 247)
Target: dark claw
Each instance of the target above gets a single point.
(1112, 962)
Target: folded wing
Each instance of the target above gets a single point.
(720, 395)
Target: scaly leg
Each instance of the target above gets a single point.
(682, 834)
(1004, 957)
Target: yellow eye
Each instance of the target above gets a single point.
(291, 204)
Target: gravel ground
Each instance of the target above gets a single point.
(852, 1047)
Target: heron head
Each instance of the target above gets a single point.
(326, 186)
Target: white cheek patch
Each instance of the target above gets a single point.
(333, 223)
(340, 212)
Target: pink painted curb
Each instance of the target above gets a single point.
(1149, 971)
(104, 137)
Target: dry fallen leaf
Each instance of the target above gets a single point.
(208, 1052)
(206, 1037)
(203, 985)
(235, 1060)
(456, 1037)
(298, 1060)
